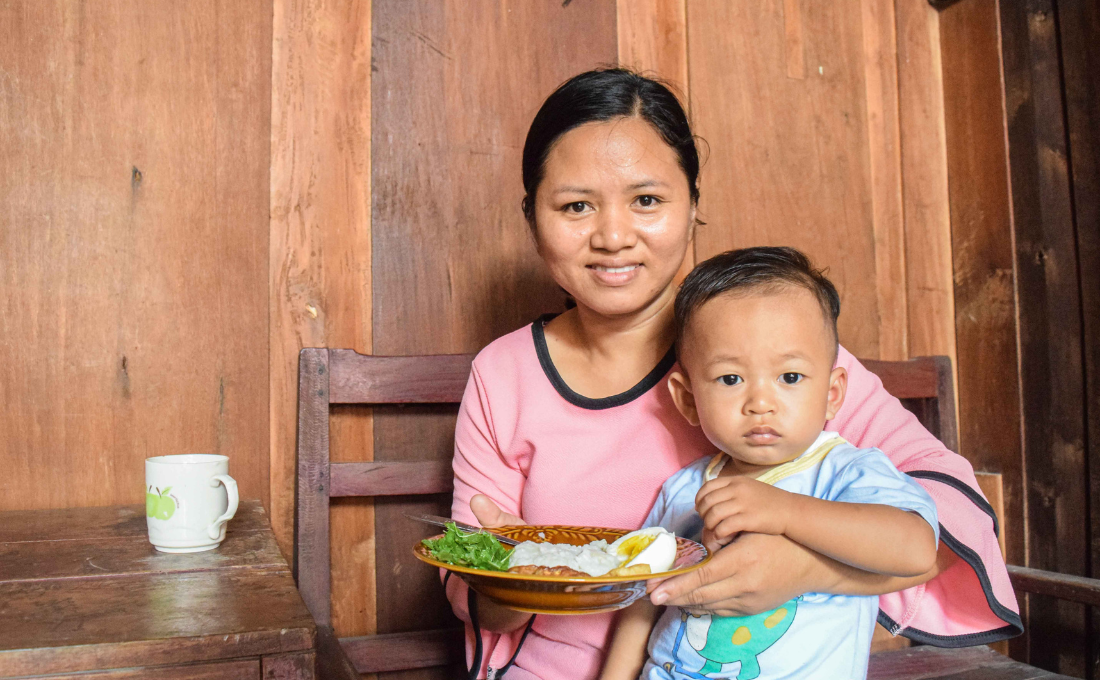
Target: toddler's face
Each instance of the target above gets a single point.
(758, 374)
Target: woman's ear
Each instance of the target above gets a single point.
(680, 387)
(838, 387)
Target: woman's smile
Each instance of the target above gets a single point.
(615, 274)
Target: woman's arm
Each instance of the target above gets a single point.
(627, 653)
(481, 471)
(758, 572)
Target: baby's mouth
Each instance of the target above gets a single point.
(762, 434)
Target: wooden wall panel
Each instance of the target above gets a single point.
(321, 261)
(930, 290)
(790, 160)
(133, 244)
(454, 88)
(1079, 39)
(880, 56)
(1048, 296)
(981, 231)
(652, 39)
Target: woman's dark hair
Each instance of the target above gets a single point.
(602, 95)
(762, 269)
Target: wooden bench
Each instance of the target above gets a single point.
(329, 377)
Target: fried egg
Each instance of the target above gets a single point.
(654, 546)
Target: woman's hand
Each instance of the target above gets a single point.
(758, 572)
(754, 573)
(492, 616)
(489, 515)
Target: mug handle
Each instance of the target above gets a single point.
(215, 529)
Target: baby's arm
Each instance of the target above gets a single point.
(628, 648)
(872, 537)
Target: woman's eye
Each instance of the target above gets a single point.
(648, 201)
(730, 380)
(576, 207)
(790, 378)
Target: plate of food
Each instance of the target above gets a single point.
(557, 569)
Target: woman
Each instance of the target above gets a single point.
(568, 421)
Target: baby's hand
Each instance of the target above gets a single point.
(730, 505)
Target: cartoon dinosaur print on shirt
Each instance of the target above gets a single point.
(727, 639)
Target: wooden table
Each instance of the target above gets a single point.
(83, 590)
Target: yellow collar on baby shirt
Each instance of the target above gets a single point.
(812, 456)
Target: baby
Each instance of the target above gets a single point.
(757, 344)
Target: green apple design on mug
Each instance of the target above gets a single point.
(160, 506)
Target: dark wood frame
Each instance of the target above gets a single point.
(341, 376)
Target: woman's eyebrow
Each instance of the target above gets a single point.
(572, 190)
(646, 184)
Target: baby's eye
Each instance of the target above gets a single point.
(730, 380)
(576, 208)
(791, 378)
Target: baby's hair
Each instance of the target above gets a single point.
(764, 269)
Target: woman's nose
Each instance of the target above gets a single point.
(614, 230)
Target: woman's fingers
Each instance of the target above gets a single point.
(702, 590)
(752, 574)
(489, 514)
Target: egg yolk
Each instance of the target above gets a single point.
(631, 547)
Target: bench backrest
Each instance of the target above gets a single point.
(329, 377)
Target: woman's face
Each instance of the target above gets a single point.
(614, 216)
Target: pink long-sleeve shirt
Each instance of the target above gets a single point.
(552, 456)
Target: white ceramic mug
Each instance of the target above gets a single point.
(188, 500)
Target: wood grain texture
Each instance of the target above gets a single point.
(63, 626)
(320, 269)
(967, 663)
(652, 39)
(244, 669)
(930, 291)
(133, 232)
(1079, 39)
(390, 478)
(1048, 298)
(453, 261)
(312, 523)
(67, 524)
(399, 651)
(296, 666)
(358, 379)
(981, 232)
(884, 142)
(1062, 586)
(790, 159)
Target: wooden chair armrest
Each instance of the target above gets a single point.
(332, 662)
(1062, 586)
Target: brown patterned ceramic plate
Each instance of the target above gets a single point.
(564, 594)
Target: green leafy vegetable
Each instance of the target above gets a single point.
(478, 551)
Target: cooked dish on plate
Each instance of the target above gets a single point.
(561, 569)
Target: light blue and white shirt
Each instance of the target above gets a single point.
(813, 636)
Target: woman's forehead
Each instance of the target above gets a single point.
(625, 151)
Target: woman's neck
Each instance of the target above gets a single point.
(600, 356)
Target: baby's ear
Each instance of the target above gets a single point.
(838, 387)
(680, 387)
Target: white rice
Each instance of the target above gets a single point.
(593, 559)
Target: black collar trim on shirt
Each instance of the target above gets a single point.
(647, 383)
